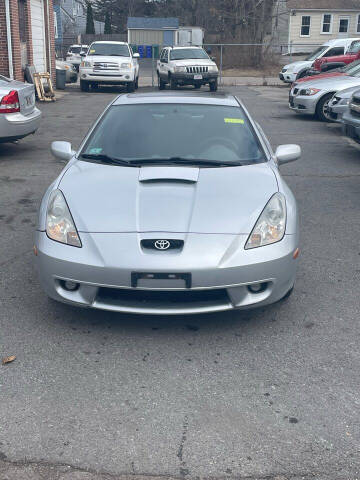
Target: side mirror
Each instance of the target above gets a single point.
(82, 54)
(213, 59)
(287, 153)
(164, 60)
(136, 55)
(62, 150)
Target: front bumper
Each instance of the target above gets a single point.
(287, 77)
(111, 78)
(337, 111)
(219, 281)
(351, 125)
(16, 125)
(190, 78)
(303, 104)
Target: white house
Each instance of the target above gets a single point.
(307, 23)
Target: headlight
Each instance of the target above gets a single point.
(309, 91)
(86, 64)
(180, 69)
(212, 68)
(126, 65)
(60, 225)
(270, 227)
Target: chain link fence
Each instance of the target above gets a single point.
(234, 59)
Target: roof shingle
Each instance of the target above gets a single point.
(323, 4)
(153, 23)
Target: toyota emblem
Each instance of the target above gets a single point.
(162, 244)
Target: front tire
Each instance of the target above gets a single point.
(161, 83)
(302, 74)
(322, 108)
(173, 83)
(214, 86)
(84, 86)
(197, 86)
(130, 87)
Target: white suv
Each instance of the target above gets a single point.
(186, 66)
(73, 55)
(109, 63)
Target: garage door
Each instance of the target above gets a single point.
(38, 34)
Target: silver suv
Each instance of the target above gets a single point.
(186, 66)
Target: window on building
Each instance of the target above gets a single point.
(358, 24)
(56, 26)
(343, 25)
(326, 23)
(305, 26)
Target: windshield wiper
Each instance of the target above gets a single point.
(184, 161)
(106, 159)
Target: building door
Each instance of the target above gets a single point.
(168, 38)
(38, 35)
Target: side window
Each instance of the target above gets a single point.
(165, 55)
(334, 51)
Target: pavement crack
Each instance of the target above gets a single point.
(180, 454)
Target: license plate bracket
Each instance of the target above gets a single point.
(198, 77)
(136, 276)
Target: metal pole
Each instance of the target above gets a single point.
(152, 66)
(8, 34)
(221, 63)
(291, 45)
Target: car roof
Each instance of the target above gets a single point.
(185, 46)
(341, 41)
(79, 45)
(177, 97)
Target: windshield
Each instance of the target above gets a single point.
(316, 53)
(75, 49)
(355, 48)
(182, 132)
(109, 49)
(185, 53)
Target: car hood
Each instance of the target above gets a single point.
(194, 61)
(333, 83)
(347, 92)
(107, 59)
(297, 66)
(105, 198)
(320, 76)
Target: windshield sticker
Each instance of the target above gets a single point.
(95, 151)
(234, 120)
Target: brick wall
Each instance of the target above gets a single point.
(14, 16)
(4, 63)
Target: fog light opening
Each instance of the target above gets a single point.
(257, 287)
(69, 285)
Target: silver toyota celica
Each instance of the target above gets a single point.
(173, 204)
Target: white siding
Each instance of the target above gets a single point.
(316, 36)
(38, 34)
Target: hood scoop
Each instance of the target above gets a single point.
(169, 174)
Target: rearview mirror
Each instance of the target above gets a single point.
(62, 150)
(136, 55)
(287, 153)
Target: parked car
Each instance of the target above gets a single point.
(339, 103)
(19, 116)
(109, 63)
(352, 54)
(74, 54)
(340, 72)
(295, 70)
(71, 72)
(186, 66)
(156, 219)
(351, 117)
(312, 97)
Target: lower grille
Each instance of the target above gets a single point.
(197, 69)
(153, 298)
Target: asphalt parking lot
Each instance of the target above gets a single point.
(270, 393)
